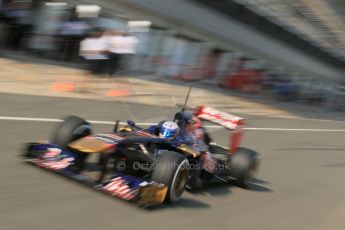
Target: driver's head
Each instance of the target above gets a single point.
(168, 130)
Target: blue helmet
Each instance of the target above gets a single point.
(168, 130)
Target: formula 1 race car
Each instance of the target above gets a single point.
(135, 165)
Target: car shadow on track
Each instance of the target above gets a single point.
(214, 189)
(221, 189)
(259, 188)
(259, 181)
(184, 202)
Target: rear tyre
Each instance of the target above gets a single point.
(244, 166)
(171, 169)
(72, 128)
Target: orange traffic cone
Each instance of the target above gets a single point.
(63, 86)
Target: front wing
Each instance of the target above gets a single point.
(120, 185)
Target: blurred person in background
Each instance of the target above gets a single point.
(111, 38)
(2, 23)
(71, 33)
(124, 48)
(19, 22)
(94, 50)
(285, 89)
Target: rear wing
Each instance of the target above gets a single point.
(227, 120)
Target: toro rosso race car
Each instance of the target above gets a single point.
(136, 164)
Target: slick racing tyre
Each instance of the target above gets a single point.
(171, 169)
(244, 166)
(72, 128)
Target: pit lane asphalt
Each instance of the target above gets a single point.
(300, 184)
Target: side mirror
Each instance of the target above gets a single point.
(131, 123)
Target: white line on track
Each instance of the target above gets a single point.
(285, 129)
(302, 118)
(148, 123)
(29, 119)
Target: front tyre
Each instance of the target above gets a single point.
(71, 129)
(171, 169)
(244, 165)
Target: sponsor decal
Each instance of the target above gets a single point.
(55, 165)
(52, 153)
(119, 187)
(54, 160)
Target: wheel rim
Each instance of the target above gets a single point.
(179, 182)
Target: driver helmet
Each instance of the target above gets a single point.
(168, 130)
